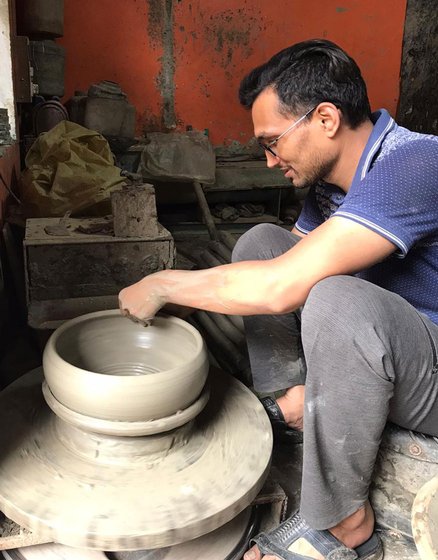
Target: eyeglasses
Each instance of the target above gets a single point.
(268, 146)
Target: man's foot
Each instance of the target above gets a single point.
(355, 532)
(291, 405)
(286, 415)
(281, 431)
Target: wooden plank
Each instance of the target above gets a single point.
(99, 229)
(21, 69)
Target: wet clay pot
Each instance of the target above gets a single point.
(105, 366)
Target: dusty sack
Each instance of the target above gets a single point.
(178, 156)
(69, 168)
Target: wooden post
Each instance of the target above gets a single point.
(205, 210)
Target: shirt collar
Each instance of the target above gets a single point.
(383, 123)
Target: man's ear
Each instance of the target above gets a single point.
(329, 118)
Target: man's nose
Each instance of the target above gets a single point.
(271, 160)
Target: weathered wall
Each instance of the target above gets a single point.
(6, 84)
(181, 61)
(418, 108)
(9, 148)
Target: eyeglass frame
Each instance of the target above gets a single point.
(268, 146)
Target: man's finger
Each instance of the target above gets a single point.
(144, 322)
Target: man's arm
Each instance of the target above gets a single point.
(280, 285)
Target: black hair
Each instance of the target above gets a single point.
(307, 74)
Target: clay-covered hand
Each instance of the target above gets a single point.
(141, 301)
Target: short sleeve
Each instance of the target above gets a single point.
(311, 216)
(398, 198)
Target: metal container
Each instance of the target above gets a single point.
(108, 111)
(48, 59)
(47, 115)
(42, 19)
(76, 106)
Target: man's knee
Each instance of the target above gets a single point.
(340, 329)
(253, 245)
(338, 300)
(263, 242)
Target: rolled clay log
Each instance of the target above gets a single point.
(234, 355)
(237, 321)
(228, 239)
(211, 259)
(228, 328)
(221, 250)
(216, 352)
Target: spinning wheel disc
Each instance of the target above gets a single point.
(112, 493)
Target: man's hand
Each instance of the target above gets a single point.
(141, 301)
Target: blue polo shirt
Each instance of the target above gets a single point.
(394, 193)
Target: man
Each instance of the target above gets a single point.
(360, 270)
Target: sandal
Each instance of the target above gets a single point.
(282, 432)
(277, 542)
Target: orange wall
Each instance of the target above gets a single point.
(215, 43)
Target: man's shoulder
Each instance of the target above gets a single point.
(402, 139)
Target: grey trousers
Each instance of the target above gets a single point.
(370, 356)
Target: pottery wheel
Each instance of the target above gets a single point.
(223, 543)
(117, 493)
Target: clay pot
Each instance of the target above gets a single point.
(104, 365)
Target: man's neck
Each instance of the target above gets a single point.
(353, 143)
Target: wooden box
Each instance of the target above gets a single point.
(77, 266)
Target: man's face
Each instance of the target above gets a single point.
(303, 153)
